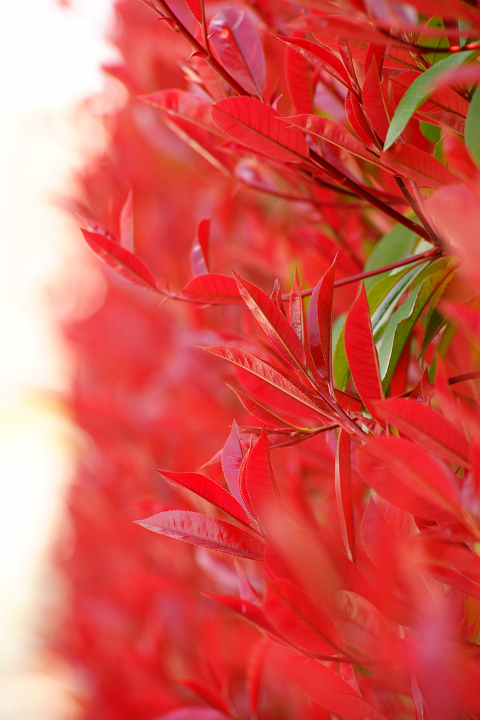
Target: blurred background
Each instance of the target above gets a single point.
(50, 58)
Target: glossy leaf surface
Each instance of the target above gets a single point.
(120, 259)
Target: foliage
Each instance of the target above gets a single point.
(332, 146)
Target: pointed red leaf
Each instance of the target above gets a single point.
(266, 371)
(272, 322)
(209, 490)
(126, 224)
(374, 103)
(410, 478)
(242, 482)
(205, 692)
(362, 353)
(417, 165)
(185, 105)
(295, 309)
(261, 412)
(320, 56)
(199, 251)
(298, 618)
(256, 125)
(232, 458)
(343, 493)
(205, 531)
(237, 45)
(246, 609)
(214, 289)
(426, 427)
(254, 672)
(276, 297)
(196, 8)
(358, 121)
(298, 77)
(320, 322)
(260, 480)
(121, 260)
(330, 691)
(331, 132)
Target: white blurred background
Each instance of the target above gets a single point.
(49, 59)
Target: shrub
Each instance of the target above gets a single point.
(332, 149)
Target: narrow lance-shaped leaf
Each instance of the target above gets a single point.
(237, 45)
(263, 413)
(362, 354)
(256, 125)
(319, 56)
(232, 458)
(214, 289)
(410, 478)
(320, 322)
(419, 91)
(295, 309)
(417, 165)
(205, 531)
(272, 322)
(199, 251)
(209, 490)
(267, 372)
(121, 260)
(472, 128)
(126, 224)
(332, 132)
(374, 102)
(343, 493)
(426, 427)
(262, 486)
(330, 691)
(299, 619)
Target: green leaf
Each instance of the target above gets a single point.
(403, 320)
(472, 128)
(382, 299)
(419, 91)
(395, 245)
(431, 132)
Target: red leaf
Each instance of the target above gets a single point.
(299, 619)
(238, 48)
(180, 104)
(410, 478)
(117, 257)
(254, 672)
(209, 490)
(266, 371)
(417, 165)
(321, 57)
(232, 458)
(343, 493)
(426, 427)
(375, 105)
(214, 289)
(254, 124)
(276, 297)
(295, 309)
(320, 322)
(208, 532)
(261, 412)
(261, 484)
(246, 609)
(126, 225)
(272, 322)
(195, 7)
(331, 132)
(362, 353)
(242, 482)
(357, 120)
(199, 251)
(330, 691)
(205, 692)
(298, 77)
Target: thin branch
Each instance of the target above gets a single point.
(417, 259)
(366, 195)
(412, 201)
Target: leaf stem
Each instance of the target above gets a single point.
(414, 204)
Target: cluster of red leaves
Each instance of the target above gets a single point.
(341, 140)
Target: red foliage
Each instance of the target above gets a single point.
(344, 506)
